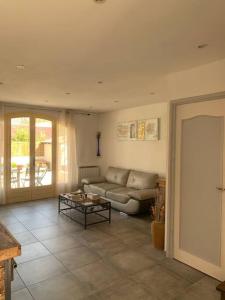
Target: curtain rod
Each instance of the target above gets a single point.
(55, 109)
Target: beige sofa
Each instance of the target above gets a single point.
(128, 191)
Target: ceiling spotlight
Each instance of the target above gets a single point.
(67, 93)
(20, 67)
(201, 46)
(99, 1)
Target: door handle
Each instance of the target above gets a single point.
(220, 189)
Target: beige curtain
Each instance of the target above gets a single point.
(2, 185)
(66, 169)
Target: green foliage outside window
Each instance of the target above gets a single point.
(21, 141)
(21, 135)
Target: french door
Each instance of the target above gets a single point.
(30, 157)
(199, 223)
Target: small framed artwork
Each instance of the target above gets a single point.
(152, 129)
(133, 130)
(141, 130)
(123, 131)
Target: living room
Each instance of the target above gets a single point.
(112, 150)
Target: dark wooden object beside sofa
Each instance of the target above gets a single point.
(158, 215)
(160, 195)
(161, 183)
(9, 248)
(221, 288)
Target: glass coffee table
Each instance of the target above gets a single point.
(69, 203)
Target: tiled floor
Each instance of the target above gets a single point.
(61, 261)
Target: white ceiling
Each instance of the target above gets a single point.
(68, 46)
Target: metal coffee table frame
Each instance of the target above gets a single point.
(94, 208)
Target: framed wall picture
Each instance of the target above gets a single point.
(141, 130)
(152, 129)
(123, 131)
(133, 130)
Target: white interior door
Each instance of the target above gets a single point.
(199, 223)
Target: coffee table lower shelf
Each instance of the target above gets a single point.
(84, 210)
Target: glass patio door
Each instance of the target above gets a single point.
(30, 157)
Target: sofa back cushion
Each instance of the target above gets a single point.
(117, 175)
(141, 180)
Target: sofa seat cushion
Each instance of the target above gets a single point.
(117, 175)
(102, 188)
(141, 180)
(143, 194)
(120, 195)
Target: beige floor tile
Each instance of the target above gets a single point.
(161, 283)
(108, 247)
(48, 232)
(93, 235)
(32, 251)
(39, 222)
(182, 270)
(17, 283)
(22, 295)
(25, 238)
(40, 269)
(152, 252)
(63, 287)
(97, 275)
(17, 228)
(62, 243)
(131, 261)
(8, 219)
(203, 289)
(125, 290)
(77, 257)
(115, 261)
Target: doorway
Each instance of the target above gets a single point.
(30, 152)
(199, 212)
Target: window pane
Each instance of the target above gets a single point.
(43, 152)
(20, 152)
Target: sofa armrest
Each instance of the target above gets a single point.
(143, 194)
(90, 180)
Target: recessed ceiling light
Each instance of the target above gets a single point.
(201, 46)
(67, 93)
(100, 82)
(99, 1)
(20, 67)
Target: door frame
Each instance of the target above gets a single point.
(171, 154)
(32, 192)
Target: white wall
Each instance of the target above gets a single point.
(147, 155)
(86, 130)
(140, 155)
(202, 80)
